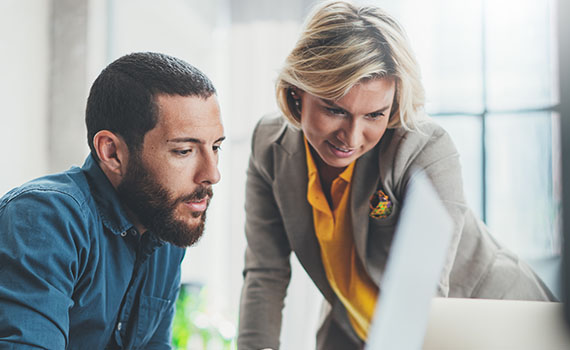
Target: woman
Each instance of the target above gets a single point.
(328, 182)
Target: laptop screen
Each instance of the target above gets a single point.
(413, 269)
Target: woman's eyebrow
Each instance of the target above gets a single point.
(333, 104)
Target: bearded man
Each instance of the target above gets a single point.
(90, 258)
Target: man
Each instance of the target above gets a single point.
(90, 258)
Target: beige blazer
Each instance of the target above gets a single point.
(279, 220)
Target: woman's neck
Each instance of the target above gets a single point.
(327, 174)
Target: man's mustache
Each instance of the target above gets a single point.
(196, 196)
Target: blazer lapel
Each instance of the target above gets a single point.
(291, 193)
(364, 183)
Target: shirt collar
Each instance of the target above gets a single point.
(112, 213)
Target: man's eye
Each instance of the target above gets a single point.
(182, 152)
(217, 148)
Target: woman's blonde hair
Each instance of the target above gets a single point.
(342, 45)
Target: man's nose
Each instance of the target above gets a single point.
(208, 172)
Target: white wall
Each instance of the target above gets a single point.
(24, 32)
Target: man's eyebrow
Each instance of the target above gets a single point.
(333, 104)
(193, 140)
(186, 139)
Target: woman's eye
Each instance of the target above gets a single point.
(375, 115)
(336, 111)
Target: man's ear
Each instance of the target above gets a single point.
(113, 154)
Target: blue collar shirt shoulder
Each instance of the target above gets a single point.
(75, 272)
(106, 198)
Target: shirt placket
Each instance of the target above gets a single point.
(129, 299)
(147, 245)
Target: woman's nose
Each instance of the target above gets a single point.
(350, 133)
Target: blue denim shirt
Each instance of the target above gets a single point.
(74, 272)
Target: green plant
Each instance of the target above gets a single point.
(197, 329)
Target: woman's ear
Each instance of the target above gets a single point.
(113, 154)
(296, 91)
(295, 95)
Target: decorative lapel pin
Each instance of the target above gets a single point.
(380, 205)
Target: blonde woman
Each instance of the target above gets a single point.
(327, 177)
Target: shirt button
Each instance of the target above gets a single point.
(119, 325)
(123, 234)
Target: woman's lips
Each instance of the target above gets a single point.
(340, 152)
(199, 205)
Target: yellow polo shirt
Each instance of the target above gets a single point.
(333, 228)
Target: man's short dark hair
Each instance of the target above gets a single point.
(123, 97)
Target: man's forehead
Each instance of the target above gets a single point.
(188, 117)
(195, 110)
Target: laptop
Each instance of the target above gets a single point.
(475, 324)
(413, 269)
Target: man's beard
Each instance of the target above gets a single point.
(155, 208)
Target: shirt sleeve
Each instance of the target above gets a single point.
(39, 264)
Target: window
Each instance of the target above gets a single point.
(489, 69)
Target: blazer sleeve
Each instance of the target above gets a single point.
(267, 268)
(432, 151)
